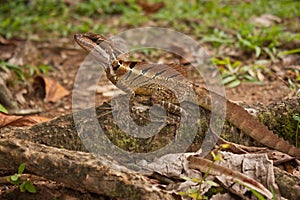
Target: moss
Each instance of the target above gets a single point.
(215, 190)
(280, 121)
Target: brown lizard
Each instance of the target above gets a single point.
(126, 75)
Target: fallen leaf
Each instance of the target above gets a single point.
(14, 120)
(3, 40)
(150, 8)
(266, 20)
(52, 90)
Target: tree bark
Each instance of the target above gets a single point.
(6, 99)
(61, 132)
(78, 170)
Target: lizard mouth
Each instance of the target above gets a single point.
(85, 42)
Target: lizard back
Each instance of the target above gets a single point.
(148, 78)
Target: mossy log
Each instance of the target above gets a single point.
(61, 133)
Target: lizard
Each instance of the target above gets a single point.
(124, 73)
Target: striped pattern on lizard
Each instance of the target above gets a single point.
(123, 74)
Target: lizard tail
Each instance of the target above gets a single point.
(258, 131)
(241, 119)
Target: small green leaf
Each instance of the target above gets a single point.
(183, 193)
(2, 109)
(296, 117)
(233, 84)
(218, 157)
(249, 78)
(22, 187)
(225, 146)
(228, 79)
(244, 42)
(218, 61)
(257, 51)
(21, 168)
(292, 85)
(212, 183)
(194, 195)
(298, 92)
(216, 39)
(31, 70)
(195, 180)
(30, 187)
(273, 193)
(236, 64)
(213, 154)
(44, 68)
(257, 194)
(269, 52)
(186, 178)
(14, 177)
(289, 52)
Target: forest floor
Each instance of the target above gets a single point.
(257, 71)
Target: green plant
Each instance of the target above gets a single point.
(260, 40)
(257, 194)
(196, 194)
(217, 38)
(25, 185)
(296, 117)
(25, 72)
(288, 52)
(2, 109)
(40, 69)
(293, 79)
(233, 73)
(261, 197)
(16, 69)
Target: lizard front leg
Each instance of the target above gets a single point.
(168, 101)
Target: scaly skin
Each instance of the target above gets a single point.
(132, 76)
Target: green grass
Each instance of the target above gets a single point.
(55, 19)
(55, 16)
(217, 22)
(234, 72)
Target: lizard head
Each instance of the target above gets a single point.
(103, 49)
(96, 44)
(89, 40)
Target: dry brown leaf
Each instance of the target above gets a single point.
(13, 120)
(52, 89)
(237, 171)
(150, 8)
(266, 20)
(3, 40)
